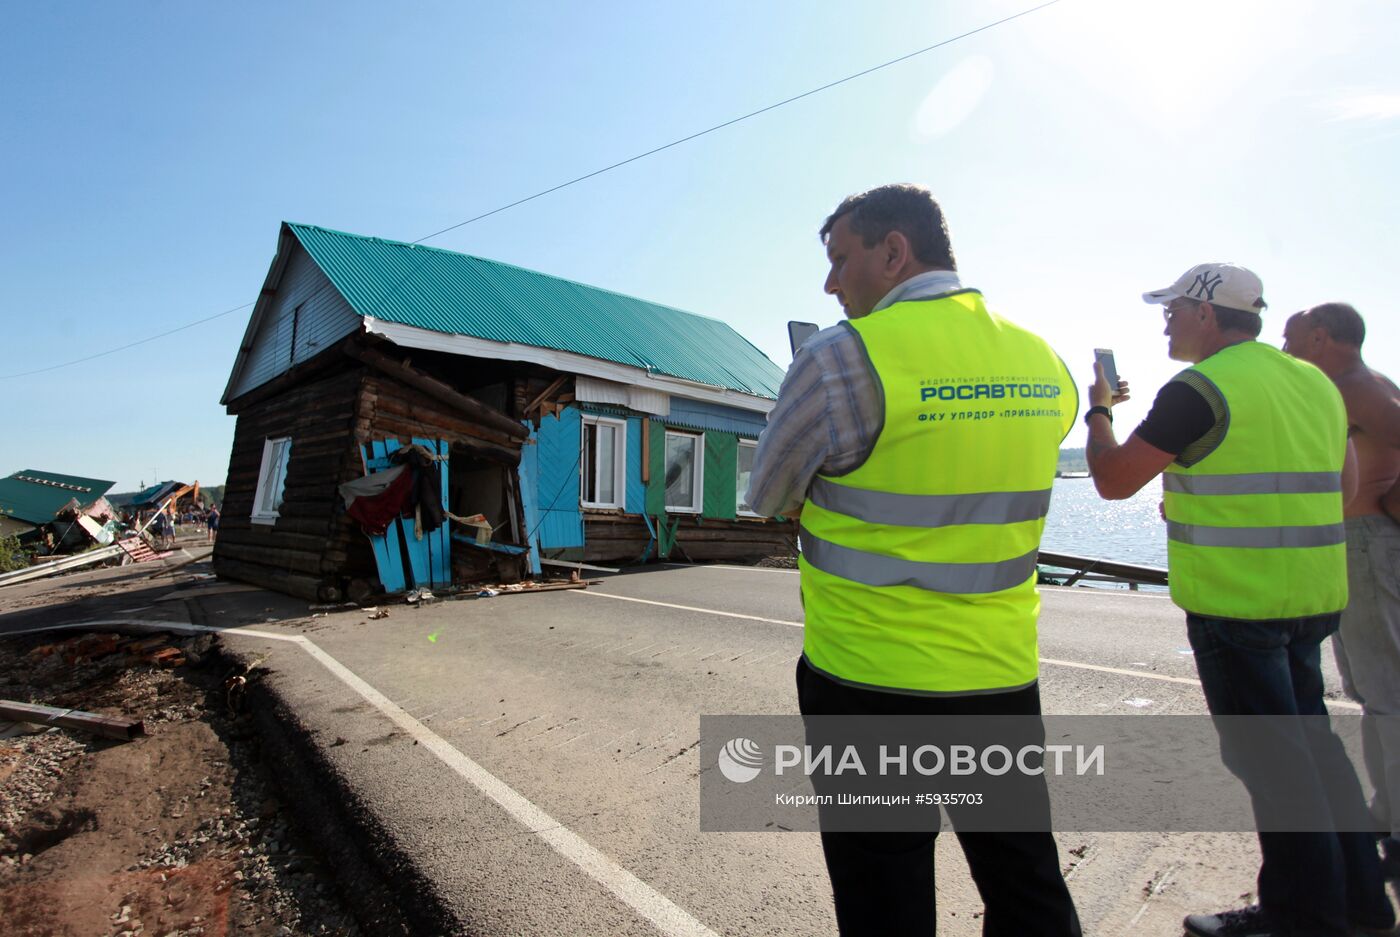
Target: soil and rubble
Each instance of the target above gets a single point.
(181, 832)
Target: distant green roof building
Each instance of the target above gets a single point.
(33, 497)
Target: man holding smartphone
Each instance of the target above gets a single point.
(922, 472)
(1252, 445)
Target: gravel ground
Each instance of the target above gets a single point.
(180, 832)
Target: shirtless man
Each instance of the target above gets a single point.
(1368, 644)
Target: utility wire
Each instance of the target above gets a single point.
(113, 351)
(598, 172)
(736, 120)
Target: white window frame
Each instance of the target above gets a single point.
(739, 507)
(277, 453)
(697, 468)
(619, 463)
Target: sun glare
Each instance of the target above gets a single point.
(1176, 63)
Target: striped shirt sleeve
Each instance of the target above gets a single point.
(826, 421)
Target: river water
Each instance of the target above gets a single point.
(1082, 523)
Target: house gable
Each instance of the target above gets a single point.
(299, 314)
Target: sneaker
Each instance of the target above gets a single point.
(1242, 922)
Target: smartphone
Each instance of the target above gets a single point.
(799, 332)
(1104, 357)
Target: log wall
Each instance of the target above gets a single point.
(621, 538)
(314, 550)
(297, 554)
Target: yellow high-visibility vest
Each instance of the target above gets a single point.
(1254, 529)
(918, 567)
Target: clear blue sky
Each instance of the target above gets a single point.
(1083, 154)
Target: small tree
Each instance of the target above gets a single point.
(12, 555)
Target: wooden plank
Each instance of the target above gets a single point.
(386, 549)
(565, 564)
(558, 383)
(488, 417)
(395, 416)
(529, 462)
(71, 562)
(442, 574)
(415, 552)
(439, 542)
(506, 548)
(112, 727)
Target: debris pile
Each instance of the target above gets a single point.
(180, 832)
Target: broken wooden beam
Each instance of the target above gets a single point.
(112, 727)
(558, 383)
(439, 390)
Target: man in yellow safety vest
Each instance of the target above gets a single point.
(1252, 447)
(918, 442)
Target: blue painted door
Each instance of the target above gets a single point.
(405, 561)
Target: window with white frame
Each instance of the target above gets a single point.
(272, 478)
(747, 448)
(685, 471)
(604, 463)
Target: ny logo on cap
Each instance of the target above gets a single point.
(1205, 285)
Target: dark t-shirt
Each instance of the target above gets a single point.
(1180, 416)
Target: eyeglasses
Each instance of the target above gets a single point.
(1168, 311)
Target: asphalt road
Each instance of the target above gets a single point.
(536, 755)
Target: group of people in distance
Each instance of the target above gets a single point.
(162, 525)
(919, 539)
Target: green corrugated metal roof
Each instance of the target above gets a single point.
(154, 494)
(455, 293)
(36, 497)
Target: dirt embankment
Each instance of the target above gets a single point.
(184, 831)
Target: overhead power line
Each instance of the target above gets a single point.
(606, 169)
(142, 341)
(729, 123)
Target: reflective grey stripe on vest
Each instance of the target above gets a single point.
(874, 569)
(1256, 483)
(1322, 535)
(883, 507)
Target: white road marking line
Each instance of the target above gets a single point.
(1156, 890)
(1142, 674)
(1090, 853)
(567, 741)
(743, 569)
(1074, 590)
(684, 608)
(614, 740)
(664, 914)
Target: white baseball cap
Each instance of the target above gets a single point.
(1228, 285)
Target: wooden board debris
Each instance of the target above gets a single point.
(112, 727)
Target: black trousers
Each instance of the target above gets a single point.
(883, 883)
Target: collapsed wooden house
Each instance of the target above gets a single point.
(49, 510)
(562, 422)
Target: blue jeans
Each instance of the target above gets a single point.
(1309, 883)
